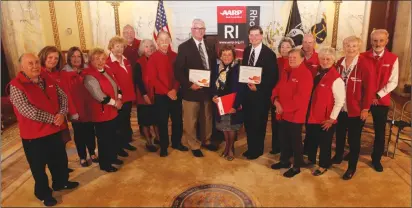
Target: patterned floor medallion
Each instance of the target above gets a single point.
(213, 195)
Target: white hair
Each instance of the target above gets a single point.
(381, 31)
(197, 20)
(327, 51)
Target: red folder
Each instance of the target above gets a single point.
(225, 103)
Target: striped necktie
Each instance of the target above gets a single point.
(252, 58)
(202, 56)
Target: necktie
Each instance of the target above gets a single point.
(202, 56)
(377, 57)
(252, 58)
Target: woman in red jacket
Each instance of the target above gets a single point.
(285, 45)
(145, 93)
(123, 72)
(327, 99)
(291, 97)
(357, 74)
(83, 128)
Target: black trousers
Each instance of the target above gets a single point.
(322, 139)
(166, 107)
(290, 135)
(275, 129)
(379, 115)
(124, 132)
(256, 109)
(106, 142)
(353, 127)
(49, 150)
(84, 137)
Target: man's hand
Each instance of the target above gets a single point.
(232, 110)
(74, 116)
(195, 87)
(58, 119)
(279, 109)
(252, 87)
(375, 101)
(147, 99)
(118, 104)
(215, 100)
(364, 114)
(327, 124)
(172, 94)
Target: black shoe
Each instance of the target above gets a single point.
(291, 172)
(280, 165)
(151, 147)
(336, 160)
(84, 163)
(122, 153)
(211, 147)
(117, 162)
(130, 147)
(319, 172)
(94, 160)
(346, 157)
(197, 153)
(49, 201)
(70, 170)
(245, 154)
(253, 157)
(181, 148)
(275, 151)
(163, 152)
(156, 141)
(348, 174)
(110, 169)
(68, 185)
(377, 166)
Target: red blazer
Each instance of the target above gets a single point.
(101, 112)
(125, 78)
(148, 86)
(293, 92)
(383, 69)
(161, 73)
(313, 63)
(283, 63)
(360, 86)
(46, 100)
(77, 94)
(322, 98)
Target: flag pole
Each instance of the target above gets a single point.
(336, 23)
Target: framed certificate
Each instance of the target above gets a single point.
(200, 77)
(250, 74)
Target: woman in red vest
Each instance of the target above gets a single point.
(285, 45)
(145, 93)
(51, 62)
(357, 74)
(123, 72)
(327, 99)
(78, 99)
(104, 103)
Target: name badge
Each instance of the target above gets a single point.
(51, 85)
(385, 65)
(322, 85)
(295, 80)
(355, 79)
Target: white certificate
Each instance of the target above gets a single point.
(200, 77)
(250, 74)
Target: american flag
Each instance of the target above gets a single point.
(161, 21)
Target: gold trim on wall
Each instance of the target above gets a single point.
(53, 18)
(336, 23)
(80, 25)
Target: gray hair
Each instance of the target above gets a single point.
(144, 43)
(198, 20)
(298, 51)
(327, 51)
(382, 31)
(128, 26)
(286, 40)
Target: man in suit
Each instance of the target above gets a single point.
(197, 104)
(257, 102)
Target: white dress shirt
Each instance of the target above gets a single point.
(393, 79)
(121, 62)
(204, 50)
(339, 95)
(257, 52)
(351, 67)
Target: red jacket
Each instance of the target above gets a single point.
(313, 63)
(77, 95)
(46, 100)
(360, 86)
(145, 77)
(131, 52)
(283, 63)
(55, 75)
(101, 112)
(322, 98)
(383, 69)
(293, 92)
(161, 73)
(125, 78)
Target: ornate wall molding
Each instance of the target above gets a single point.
(53, 18)
(80, 25)
(115, 5)
(335, 23)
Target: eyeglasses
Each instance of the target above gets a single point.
(198, 28)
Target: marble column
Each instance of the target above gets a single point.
(402, 45)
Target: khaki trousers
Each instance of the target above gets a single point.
(192, 113)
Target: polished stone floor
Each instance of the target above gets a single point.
(148, 180)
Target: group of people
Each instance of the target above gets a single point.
(300, 88)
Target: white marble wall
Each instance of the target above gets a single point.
(102, 20)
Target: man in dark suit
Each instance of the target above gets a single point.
(257, 102)
(197, 101)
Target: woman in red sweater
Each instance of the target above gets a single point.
(123, 72)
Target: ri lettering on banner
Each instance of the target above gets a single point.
(233, 23)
